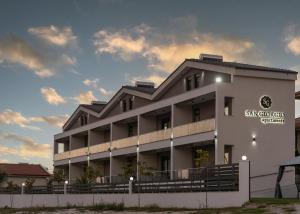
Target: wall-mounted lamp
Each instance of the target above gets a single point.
(218, 79)
(23, 184)
(66, 182)
(253, 140)
(244, 157)
(131, 178)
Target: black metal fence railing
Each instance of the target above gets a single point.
(216, 178)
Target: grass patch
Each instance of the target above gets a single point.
(102, 207)
(275, 201)
(29, 210)
(242, 210)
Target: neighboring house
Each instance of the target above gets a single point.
(227, 109)
(18, 173)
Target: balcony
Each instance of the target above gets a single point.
(102, 147)
(125, 142)
(155, 136)
(79, 152)
(62, 156)
(194, 128)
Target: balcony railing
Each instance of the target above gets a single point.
(62, 156)
(79, 152)
(155, 136)
(125, 142)
(194, 128)
(102, 147)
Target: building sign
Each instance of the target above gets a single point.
(265, 116)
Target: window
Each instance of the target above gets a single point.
(124, 107)
(227, 154)
(130, 103)
(197, 79)
(165, 123)
(85, 141)
(188, 83)
(228, 106)
(130, 130)
(196, 114)
(83, 120)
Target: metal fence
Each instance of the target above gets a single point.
(216, 178)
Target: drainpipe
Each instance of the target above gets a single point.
(171, 143)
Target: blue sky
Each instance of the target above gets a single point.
(57, 54)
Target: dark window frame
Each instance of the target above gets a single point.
(228, 104)
(188, 83)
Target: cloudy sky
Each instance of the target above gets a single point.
(57, 54)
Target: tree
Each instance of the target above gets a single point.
(29, 184)
(11, 186)
(144, 169)
(128, 170)
(201, 157)
(88, 177)
(58, 176)
(3, 176)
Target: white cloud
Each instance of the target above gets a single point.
(68, 60)
(121, 43)
(165, 51)
(52, 97)
(85, 97)
(105, 92)
(54, 35)
(92, 83)
(28, 147)
(4, 161)
(56, 121)
(16, 50)
(10, 117)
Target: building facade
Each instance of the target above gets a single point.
(19, 173)
(226, 109)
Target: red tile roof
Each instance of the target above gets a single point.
(23, 169)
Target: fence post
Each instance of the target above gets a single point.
(244, 179)
(22, 188)
(65, 187)
(130, 185)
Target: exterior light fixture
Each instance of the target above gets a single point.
(244, 157)
(23, 184)
(66, 182)
(131, 178)
(218, 79)
(253, 140)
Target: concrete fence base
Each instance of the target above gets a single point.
(194, 200)
(166, 200)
